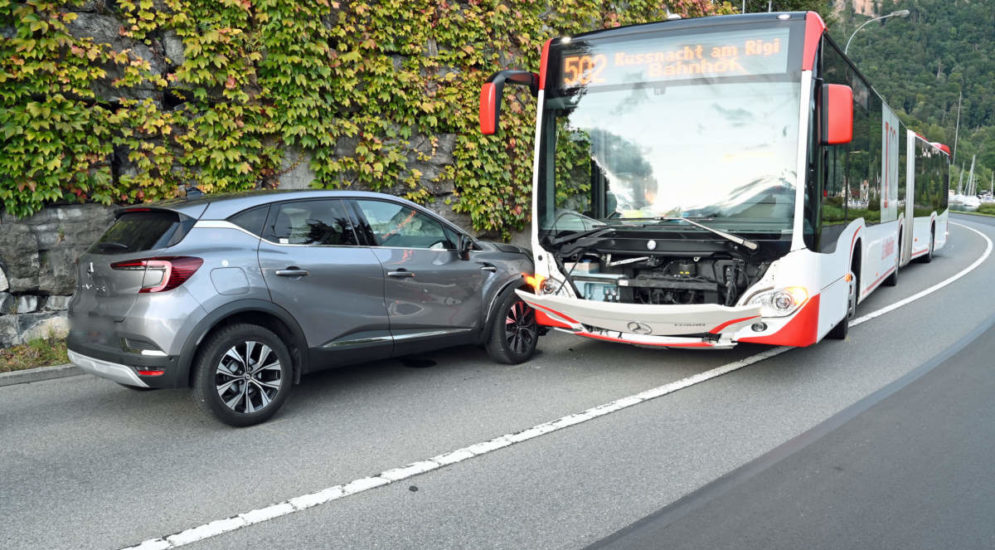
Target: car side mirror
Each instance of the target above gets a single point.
(463, 247)
(837, 114)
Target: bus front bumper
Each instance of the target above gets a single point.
(681, 326)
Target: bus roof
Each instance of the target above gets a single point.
(694, 23)
(814, 29)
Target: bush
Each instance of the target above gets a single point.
(987, 208)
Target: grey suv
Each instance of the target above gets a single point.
(238, 296)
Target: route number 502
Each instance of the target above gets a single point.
(583, 69)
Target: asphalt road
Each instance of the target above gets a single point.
(87, 464)
(908, 467)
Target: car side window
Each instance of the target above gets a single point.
(321, 222)
(401, 226)
(251, 220)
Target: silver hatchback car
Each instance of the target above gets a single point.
(238, 296)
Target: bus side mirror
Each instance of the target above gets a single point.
(492, 91)
(837, 114)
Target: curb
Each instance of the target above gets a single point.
(38, 374)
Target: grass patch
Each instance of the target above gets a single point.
(987, 209)
(43, 352)
(979, 212)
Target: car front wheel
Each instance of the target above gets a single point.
(514, 332)
(243, 375)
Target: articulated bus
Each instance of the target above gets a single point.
(704, 182)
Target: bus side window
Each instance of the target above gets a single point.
(836, 159)
(813, 179)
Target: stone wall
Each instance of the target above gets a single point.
(37, 268)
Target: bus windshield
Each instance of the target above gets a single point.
(718, 149)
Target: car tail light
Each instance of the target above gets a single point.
(162, 274)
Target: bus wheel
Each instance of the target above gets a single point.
(840, 330)
(932, 238)
(892, 279)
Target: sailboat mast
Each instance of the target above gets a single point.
(957, 130)
(970, 179)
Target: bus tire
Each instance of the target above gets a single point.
(932, 240)
(841, 329)
(892, 279)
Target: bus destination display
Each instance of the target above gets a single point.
(742, 53)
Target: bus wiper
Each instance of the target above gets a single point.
(595, 232)
(580, 242)
(728, 236)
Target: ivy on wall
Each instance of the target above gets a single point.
(353, 84)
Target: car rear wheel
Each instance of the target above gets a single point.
(514, 332)
(243, 376)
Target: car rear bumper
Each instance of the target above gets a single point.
(123, 367)
(122, 374)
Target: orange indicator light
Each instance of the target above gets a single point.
(534, 281)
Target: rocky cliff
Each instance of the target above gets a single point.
(37, 268)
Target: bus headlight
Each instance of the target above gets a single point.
(780, 303)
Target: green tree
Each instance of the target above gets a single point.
(822, 7)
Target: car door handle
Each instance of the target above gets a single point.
(291, 272)
(400, 274)
(489, 268)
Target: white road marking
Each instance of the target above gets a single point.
(932, 289)
(330, 494)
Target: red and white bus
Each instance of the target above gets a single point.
(926, 208)
(703, 182)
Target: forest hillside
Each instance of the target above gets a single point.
(924, 64)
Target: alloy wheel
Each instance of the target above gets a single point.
(520, 327)
(248, 377)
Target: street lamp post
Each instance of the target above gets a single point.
(898, 13)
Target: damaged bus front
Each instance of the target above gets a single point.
(670, 204)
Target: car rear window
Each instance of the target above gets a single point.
(139, 231)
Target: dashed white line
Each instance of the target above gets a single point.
(330, 494)
(932, 289)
